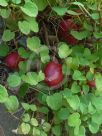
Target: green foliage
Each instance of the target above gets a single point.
(25, 128)
(93, 127)
(63, 50)
(4, 49)
(8, 35)
(56, 130)
(23, 53)
(28, 25)
(11, 102)
(30, 9)
(54, 101)
(73, 101)
(75, 88)
(80, 35)
(33, 78)
(3, 3)
(23, 90)
(26, 117)
(73, 106)
(74, 120)
(78, 75)
(41, 5)
(14, 80)
(3, 94)
(33, 44)
(5, 13)
(63, 114)
(99, 82)
(60, 10)
(16, 1)
(24, 27)
(44, 54)
(34, 122)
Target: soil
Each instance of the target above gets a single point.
(8, 122)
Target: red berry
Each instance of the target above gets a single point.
(53, 74)
(12, 60)
(65, 27)
(91, 84)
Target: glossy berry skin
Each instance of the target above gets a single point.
(65, 27)
(12, 60)
(53, 74)
(91, 84)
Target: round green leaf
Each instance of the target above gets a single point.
(26, 117)
(33, 25)
(8, 35)
(4, 49)
(3, 94)
(80, 35)
(26, 106)
(30, 9)
(34, 122)
(12, 104)
(33, 44)
(23, 53)
(14, 80)
(93, 127)
(78, 75)
(74, 120)
(30, 78)
(56, 130)
(64, 50)
(63, 114)
(24, 27)
(36, 131)
(91, 108)
(25, 127)
(41, 76)
(54, 101)
(75, 88)
(97, 102)
(44, 54)
(3, 3)
(33, 107)
(97, 118)
(5, 13)
(24, 66)
(73, 101)
(46, 127)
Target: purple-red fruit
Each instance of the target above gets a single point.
(13, 59)
(53, 74)
(64, 31)
(91, 84)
